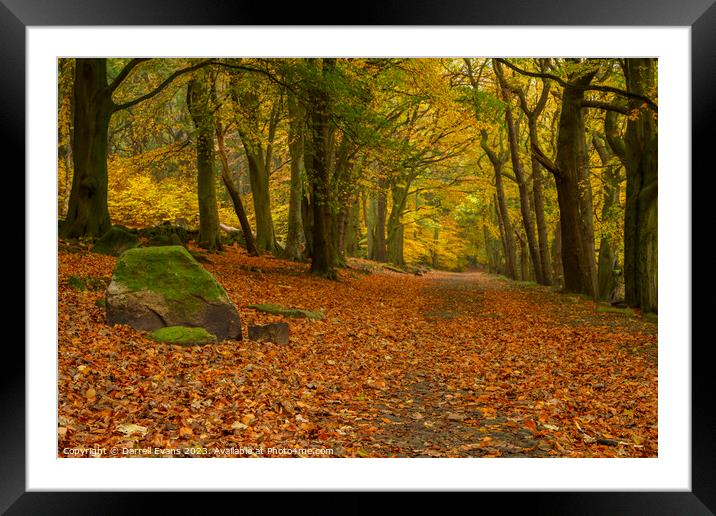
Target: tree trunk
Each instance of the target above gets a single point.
(87, 213)
(537, 178)
(606, 261)
(379, 207)
(578, 261)
(520, 176)
(307, 223)
(259, 180)
(395, 225)
(295, 238)
(234, 193)
(524, 259)
(258, 156)
(640, 222)
(68, 174)
(352, 233)
(504, 217)
(557, 255)
(198, 103)
(369, 215)
(322, 260)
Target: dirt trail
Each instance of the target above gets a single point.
(445, 419)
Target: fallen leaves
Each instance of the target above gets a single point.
(516, 372)
(129, 429)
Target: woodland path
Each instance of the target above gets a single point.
(445, 418)
(442, 365)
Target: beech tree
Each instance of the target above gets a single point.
(87, 213)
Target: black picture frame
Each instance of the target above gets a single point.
(700, 15)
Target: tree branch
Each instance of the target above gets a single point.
(606, 106)
(591, 87)
(158, 89)
(544, 160)
(125, 72)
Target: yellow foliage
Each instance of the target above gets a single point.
(136, 199)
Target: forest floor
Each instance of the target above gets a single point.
(439, 365)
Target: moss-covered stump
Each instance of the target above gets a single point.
(154, 287)
(162, 234)
(165, 239)
(115, 241)
(288, 312)
(183, 336)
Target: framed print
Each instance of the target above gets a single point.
(659, 464)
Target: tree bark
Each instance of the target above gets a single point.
(198, 103)
(352, 233)
(606, 261)
(295, 237)
(557, 255)
(378, 212)
(574, 196)
(87, 213)
(395, 228)
(640, 222)
(504, 217)
(524, 259)
(307, 223)
(323, 258)
(259, 160)
(520, 176)
(234, 193)
(537, 194)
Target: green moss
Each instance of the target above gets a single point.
(615, 310)
(651, 317)
(115, 241)
(101, 303)
(183, 335)
(288, 312)
(169, 271)
(442, 314)
(86, 283)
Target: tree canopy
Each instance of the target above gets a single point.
(539, 169)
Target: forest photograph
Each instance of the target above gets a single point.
(346, 257)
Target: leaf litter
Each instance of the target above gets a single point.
(515, 371)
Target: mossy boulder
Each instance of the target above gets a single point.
(288, 312)
(115, 241)
(183, 336)
(155, 287)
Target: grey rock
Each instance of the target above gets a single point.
(154, 287)
(274, 332)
